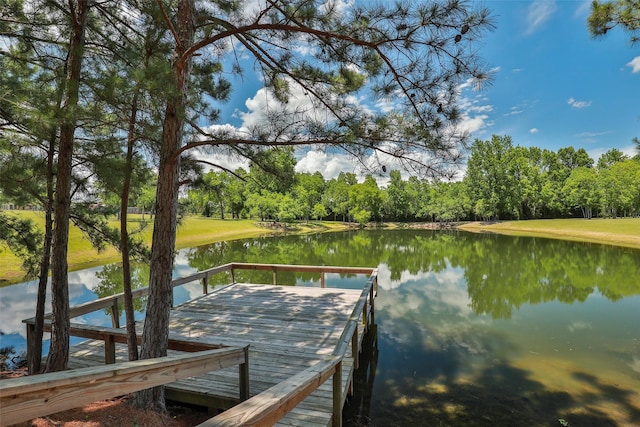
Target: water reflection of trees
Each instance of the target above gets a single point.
(446, 383)
(110, 282)
(502, 272)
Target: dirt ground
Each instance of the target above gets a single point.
(117, 413)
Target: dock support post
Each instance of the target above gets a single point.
(355, 351)
(372, 318)
(365, 317)
(337, 396)
(322, 279)
(244, 376)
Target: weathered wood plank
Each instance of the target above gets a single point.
(28, 397)
(289, 330)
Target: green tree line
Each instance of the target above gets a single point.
(502, 181)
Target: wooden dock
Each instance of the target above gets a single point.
(288, 330)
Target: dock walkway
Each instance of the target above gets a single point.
(288, 329)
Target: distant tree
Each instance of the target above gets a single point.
(308, 191)
(336, 196)
(319, 211)
(611, 157)
(581, 190)
(236, 193)
(288, 209)
(397, 205)
(490, 182)
(366, 197)
(619, 188)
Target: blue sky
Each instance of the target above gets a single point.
(554, 85)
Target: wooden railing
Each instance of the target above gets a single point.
(268, 407)
(111, 336)
(26, 398)
(273, 404)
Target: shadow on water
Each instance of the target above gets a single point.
(438, 393)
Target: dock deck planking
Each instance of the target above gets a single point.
(288, 328)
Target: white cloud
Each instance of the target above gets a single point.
(329, 166)
(635, 65)
(629, 150)
(583, 9)
(578, 104)
(533, 130)
(539, 12)
(592, 138)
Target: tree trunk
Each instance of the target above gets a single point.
(60, 322)
(132, 340)
(34, 364)
(156, 325)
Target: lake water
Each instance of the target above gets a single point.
(472, 329)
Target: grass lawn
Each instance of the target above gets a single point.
(619, 232)
(192, 231)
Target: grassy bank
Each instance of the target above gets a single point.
(619, 232)
(193, 231)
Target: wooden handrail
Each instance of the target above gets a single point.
(266, 408)
(29, 397)
(107, 302)
(280, 399)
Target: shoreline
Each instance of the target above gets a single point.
(576, 230)
(622, 232)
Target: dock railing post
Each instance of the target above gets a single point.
(322, 279)
(233, 275)
(31, 329)
(205, 285)
(109, 349)
(337, 396)
(275, 276)
(115, 319)
(244, 376)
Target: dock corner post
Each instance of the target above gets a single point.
(233, 275)
(244, 376)
(337, 396)
(31, 328)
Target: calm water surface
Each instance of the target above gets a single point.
(471, 329)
